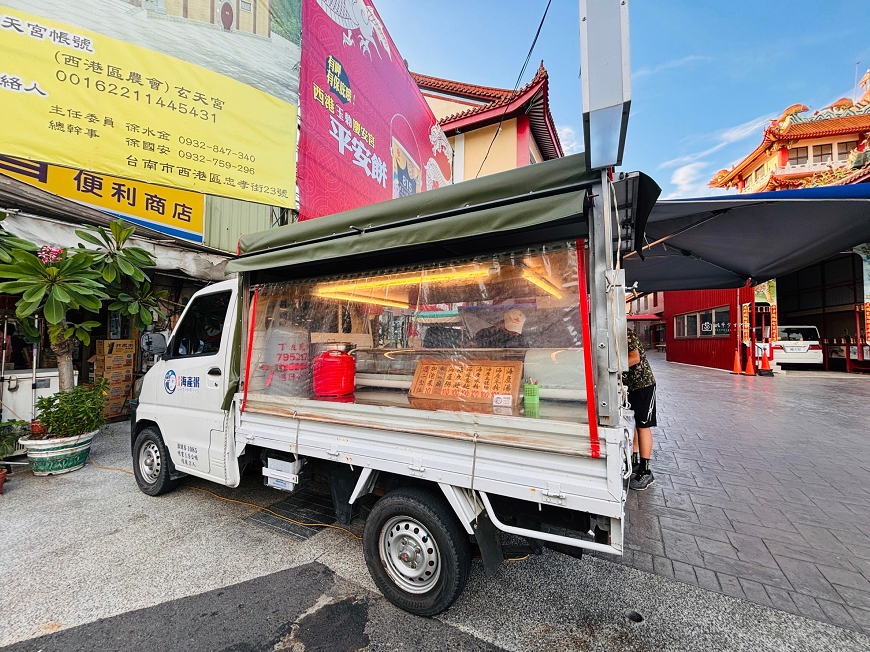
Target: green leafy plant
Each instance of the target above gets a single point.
(10, 432)
(112, 257)
(72, 413)
(140, 306)
(54, 281)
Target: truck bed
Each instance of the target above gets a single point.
(542, 460)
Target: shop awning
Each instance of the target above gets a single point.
(168, 258)
(721, 242)
(644, 317)
(532, 205)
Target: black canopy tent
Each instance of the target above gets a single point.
(722, 242)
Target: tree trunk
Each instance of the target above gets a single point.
(63, 350)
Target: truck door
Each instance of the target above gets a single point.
(194, 375)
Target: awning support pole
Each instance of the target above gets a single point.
(250, 347)
(604, 299)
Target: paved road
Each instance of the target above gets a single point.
(90, 563)
(759, 490)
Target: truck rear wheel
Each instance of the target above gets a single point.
(416, 551)
(151, 463)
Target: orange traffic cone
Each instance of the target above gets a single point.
(750, 366)
(765, 369)
(737, 367)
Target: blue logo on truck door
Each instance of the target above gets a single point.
(170, 382)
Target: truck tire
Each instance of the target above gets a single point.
(151, 463)
(416, 551)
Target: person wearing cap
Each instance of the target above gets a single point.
(504, 335)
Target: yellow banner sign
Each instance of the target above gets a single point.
(88, 101)
(178, 213)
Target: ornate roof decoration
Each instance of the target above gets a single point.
(532, 100)
(794, 109)
(843, 117)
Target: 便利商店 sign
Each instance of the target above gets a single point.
(172, 211)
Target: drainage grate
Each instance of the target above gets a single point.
(311, 503)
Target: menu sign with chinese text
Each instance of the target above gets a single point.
(747, 331)
(83, 99)
(473, 381)
(367, 134)
(178, 213)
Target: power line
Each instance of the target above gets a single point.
(516, 86)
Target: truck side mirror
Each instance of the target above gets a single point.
(154, 343)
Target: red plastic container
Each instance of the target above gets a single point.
(334, 374)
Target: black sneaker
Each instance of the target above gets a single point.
(642, 481)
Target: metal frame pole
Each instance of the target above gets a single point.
(606, 290)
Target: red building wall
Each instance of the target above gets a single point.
(710, 351)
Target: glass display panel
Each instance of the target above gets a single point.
(496, 334)
(691, 325)
(680, 326)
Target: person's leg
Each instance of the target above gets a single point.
(635, 454)
(645, 439)
(645, 419)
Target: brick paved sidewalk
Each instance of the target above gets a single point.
(760, 490)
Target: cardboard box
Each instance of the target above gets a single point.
(120, 393)
(118, 376)
(115, 347)
(115, 407)
(104, 363)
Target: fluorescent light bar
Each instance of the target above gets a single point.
(406, 280)
(368, 300)
(545, 285)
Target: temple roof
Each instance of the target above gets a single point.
(499, 103)
(469, 91)
(843, 117)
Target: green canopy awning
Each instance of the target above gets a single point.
(531, 205)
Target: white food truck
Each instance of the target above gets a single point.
(456, 355)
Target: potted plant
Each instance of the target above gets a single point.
(69, 420)
(10, 431)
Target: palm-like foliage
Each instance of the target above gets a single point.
(54, 282)
(69, 282)
(116, 261)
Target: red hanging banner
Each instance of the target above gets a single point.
(367, 133)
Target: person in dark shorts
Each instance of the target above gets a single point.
(642, 397)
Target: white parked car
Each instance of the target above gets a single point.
(797, 345)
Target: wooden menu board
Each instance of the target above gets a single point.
(474, 381)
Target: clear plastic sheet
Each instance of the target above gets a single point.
(497, 334)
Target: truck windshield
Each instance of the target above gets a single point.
(482, 335)
(798, 333)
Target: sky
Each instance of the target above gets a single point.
(706, 76)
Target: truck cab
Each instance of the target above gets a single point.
(183, 394)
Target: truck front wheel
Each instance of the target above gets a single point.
(151, 463)
(416, 551)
